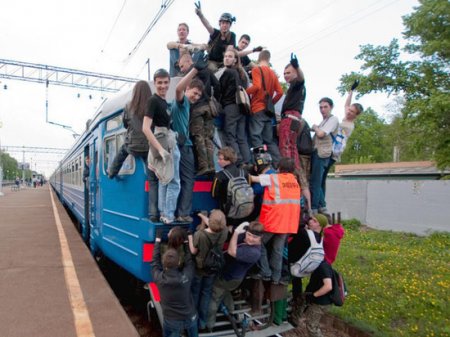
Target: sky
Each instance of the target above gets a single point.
(99, 35)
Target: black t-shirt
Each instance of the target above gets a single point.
(295, 97)
(157, 110)
(228, 86)
(316, 282)
(245, 60)
(219, 46)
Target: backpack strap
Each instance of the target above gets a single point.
(262, 78)
(227, 173)
(210, 241)
(312, 239)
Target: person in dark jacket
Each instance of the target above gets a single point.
(226, 159)
(135, 141)
(174, 285)
(235, 134)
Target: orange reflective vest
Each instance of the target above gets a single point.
(280, 210)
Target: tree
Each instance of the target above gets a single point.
(423, 79)
(369, 142)
(10, 169)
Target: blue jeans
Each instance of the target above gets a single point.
(261, 131)
(168, 194)
(174, 328)
(235, 133)
(324, 178)
(272, 267)
(187, 177)
(201, 292)
(318, 168)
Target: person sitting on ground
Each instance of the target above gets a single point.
(235, 134)
(297, 248)
(280, 216)
(164, 155)
(201, 123)
(174, 285)
(317, 296)
(243, 43)
(212, 231)
(183, 45)
(135, 142)
(188, 91)
(291, 123)
(226, 158)
(243, 251)
(260, 125)
(219, 40)
(345, 129)
(320, 158)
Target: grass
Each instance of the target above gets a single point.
(399, 283)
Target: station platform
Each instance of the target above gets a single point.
(50, 285)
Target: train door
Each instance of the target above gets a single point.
(85, 232)
(94, 195)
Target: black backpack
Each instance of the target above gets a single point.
(339, 291)
(214, 260)
(304, 140)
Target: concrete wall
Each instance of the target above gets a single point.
(416, 206)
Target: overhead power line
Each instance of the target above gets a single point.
(285, 51)
(164, 7)
(114, 25)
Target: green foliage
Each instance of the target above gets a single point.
(353, 224)
(369, 142)
(398, 283)
(423, 80)
(10, 170)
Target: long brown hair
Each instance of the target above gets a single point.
(238, 65)
(139, 99)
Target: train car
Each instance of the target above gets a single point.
(112, 214)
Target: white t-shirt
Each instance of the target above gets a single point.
(343, 133)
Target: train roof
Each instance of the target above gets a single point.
(112, 106)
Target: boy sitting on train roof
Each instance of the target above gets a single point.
(182, 45)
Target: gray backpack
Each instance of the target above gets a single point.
(240, 196)
(311, 260)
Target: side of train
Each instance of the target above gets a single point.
(113, 213)
(112, 216)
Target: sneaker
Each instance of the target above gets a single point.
(184, 218)
(154, 218)
(165, 220)
(323, 210)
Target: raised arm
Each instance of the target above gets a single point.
(348, 101)
(198, 11)
(200, 64)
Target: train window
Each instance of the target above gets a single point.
(112, 146)
(114, 123)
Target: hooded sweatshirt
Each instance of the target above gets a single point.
(332, 236)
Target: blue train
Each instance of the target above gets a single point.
(113, 214)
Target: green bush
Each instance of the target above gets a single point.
(353, 224)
